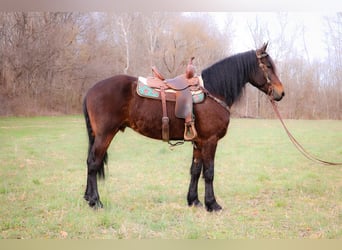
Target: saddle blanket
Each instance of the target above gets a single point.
(144, 90)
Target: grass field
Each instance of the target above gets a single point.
(267, 189)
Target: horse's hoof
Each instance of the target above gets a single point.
(86, 197)
(95, 204)
(98, 204)
(213, 207)
(195, 203)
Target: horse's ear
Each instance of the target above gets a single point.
(264, 47)
(262, 51)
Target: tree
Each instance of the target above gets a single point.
(49, 60)
(334, 42)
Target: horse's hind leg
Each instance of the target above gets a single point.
(195, 171)
(95, 161)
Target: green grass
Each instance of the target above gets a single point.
(267, 189)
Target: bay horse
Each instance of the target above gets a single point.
(112, 104)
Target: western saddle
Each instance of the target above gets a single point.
(183, 85)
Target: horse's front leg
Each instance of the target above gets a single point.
(208, 154)
(195, 172)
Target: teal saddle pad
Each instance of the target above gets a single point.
(146, 91)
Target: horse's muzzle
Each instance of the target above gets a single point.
(276, 93)
(277, 96)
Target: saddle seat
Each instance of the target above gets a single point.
(181, 89)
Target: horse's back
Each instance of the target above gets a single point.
(111, 86)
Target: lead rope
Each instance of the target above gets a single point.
(297, 144)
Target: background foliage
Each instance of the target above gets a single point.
(49, 59)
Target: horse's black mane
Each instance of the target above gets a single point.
(228, 77)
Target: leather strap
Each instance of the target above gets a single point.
(165, 118)
(157, 74)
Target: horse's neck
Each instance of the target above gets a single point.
(229, 85)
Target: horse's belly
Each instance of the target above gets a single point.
(146, 118)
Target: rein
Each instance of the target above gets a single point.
(222, 103)
(299, 147)
(297, 144)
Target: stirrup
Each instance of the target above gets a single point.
(190, 132)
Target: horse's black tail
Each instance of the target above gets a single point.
(101, 171)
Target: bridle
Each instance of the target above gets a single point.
(263, 67)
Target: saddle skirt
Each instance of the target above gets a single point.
(150, 88)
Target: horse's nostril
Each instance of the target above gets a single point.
(283, 94)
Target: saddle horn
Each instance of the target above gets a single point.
(190, 69)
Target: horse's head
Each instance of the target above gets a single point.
(265, 77)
